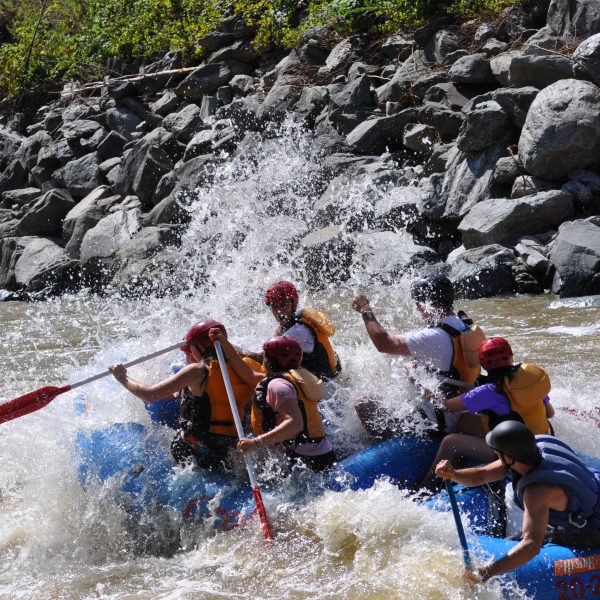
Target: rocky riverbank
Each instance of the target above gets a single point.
(480, 140)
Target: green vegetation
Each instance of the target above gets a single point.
(48, 41)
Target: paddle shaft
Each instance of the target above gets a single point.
(266, 527)
(459, 525)
(32, 401)
(131, 363)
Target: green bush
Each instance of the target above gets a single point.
(57, 40)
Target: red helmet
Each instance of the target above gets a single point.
(280, 291)
(198, 333)
(285, 351)
(495, 352)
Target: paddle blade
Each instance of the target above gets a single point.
(262, 513)
(30, 402)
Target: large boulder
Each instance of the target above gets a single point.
(562, 129)
(45, 216)
(101, 243)
(575, 252)
(44, 267)
(483, 127)
(587, 58)
(504, 220)
(81, 176)
(82, 217)
(539, 71)
(409, 71)
(448, 196)
(207, 78)
(483, 272)
(574, 18)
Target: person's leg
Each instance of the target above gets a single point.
(375, 419)
(470, 424)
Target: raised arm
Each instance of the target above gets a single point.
(195, 372)
(382, 340)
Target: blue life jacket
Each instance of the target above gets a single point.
(560, 466)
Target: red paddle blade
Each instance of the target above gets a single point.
(23, 405)
(262, 513)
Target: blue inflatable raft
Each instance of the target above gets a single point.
(138, 464)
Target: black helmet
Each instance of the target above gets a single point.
(436, 289)
(514, 439)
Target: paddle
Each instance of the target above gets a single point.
(459, 526)
(260, 507)
(39, 398)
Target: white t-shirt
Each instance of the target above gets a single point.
(432, 347)
(303, 335)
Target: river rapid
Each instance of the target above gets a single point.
(59, 541)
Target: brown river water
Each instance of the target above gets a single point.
(59, 541)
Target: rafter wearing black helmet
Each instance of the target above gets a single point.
(557, 492)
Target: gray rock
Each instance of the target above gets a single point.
(575, 252)
(539, 71)
(543, 42)
(14, 176)
(500, 66)
(81, 176)
(207, 78)
(440, 155)
(534, 260)
(167, 103)
(472, 70)
(21, 196)
(279, 102)
(155, 164)
(108, 165)
(587, 58)
(342, 54)
(508, 168)
(422, 85)
(439, 48)
(419, 137)
(514, 101)
(122, 120)
(45, 216)
(409, 71)
(503, 220)
(366, 138)
(446, 121)
(111, 146)
(28, 150)
(449, 196)
(574, 18)
(241, 50)
(242, 85)
(45, 267)
(82, 217)
(449, 95)
(101, 243)
(562, 129)
(10, 143)
(55, 155)
(493, 47)
(76, 132)
(397, 47)
(525, 185)
(185, 123)
(483, 272)
(483, 127)
(582, 195)
(397, 208)
(169, 210)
